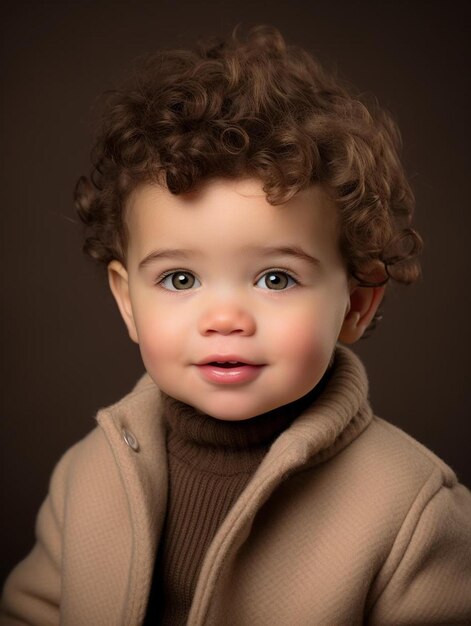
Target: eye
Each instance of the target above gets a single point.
(276, 280)
(179, 281)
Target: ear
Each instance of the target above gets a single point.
(119, 285)
(364, 302)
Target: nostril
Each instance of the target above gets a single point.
(230, 321)
(225, 330)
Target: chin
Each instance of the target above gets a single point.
(222, 413)
(232, 411)
(232, 418)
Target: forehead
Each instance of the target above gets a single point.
(229, 215)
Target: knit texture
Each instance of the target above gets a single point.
(210, 462)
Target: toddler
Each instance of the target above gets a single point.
(251, 212)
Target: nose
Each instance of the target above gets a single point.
(227, 319)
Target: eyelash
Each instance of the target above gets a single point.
(160, 279)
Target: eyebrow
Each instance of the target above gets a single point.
(292, 251)
(166, 253)
(180, 253)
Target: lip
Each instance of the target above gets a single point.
(245, 372)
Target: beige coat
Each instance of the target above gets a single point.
(347, 521)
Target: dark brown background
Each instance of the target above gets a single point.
(64, 350)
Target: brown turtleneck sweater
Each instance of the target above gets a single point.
(210, 462)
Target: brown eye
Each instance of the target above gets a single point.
(179, 281)
(276, 280)
(183, 280)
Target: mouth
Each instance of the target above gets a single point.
(230, 370)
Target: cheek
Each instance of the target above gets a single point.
(307, 339)
(159, 339)
(306, 347)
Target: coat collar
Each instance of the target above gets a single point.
(338, 415)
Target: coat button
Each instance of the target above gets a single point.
(130, 439)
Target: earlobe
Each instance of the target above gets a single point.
(119, 285)
(364, 302)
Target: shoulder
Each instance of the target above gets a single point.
(390, 447)
(382, 477)
(397, 477)
(430, 549)
(385, 461)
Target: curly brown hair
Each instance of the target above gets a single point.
(252, 106)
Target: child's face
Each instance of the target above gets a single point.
(222, 275)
